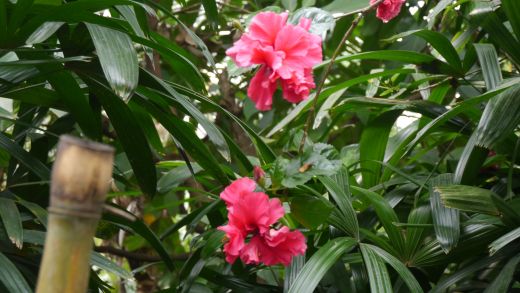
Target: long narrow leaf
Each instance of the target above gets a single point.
(446, 222)
(320, 262)
(488, 58)
(376, 269)
(118, 59)
(401, 269)
(500, 118)
(10, 217)
(501, 283)
(346, 213)
(11, 277)
(504, 241)
(31, 163)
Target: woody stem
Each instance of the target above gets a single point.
(319, 88)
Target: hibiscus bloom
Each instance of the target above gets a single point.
(249, 233)
(286, 54)
(388, 9)
(274, 247)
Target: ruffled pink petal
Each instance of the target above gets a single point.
(302, 50)
(276, 210)
(305, 23)
(235, 242)
(243, 51)
(236, 190)
(388, 9)
(262, 88)
(281, 246)
(297, 88)
(266, 25)
(274, 247)
(251, 253)
(255, 213)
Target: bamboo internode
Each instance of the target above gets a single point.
(80, 180)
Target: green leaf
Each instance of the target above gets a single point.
(76, 102)
(376, 269)
(186, 137)
(345, 6)
(384, 55)
(212, 243)
(501, 116)
(341, 195)
(501, 283)
(139, 227)
(322, 21)
(320, 262)
(294, 113)
(467, 198)
(200, 43)
(470, 162)
(446, 222)
(265, 153)
(445, 283)
(500, 35)
(39, 212)
(372, 146)
(233, 283)
(176, 58)
(418, 225)
(11, 277)
(210, 7)
(104, 263)
(490, 65)
(118, 59)
(10, 217)
(436, 10)
(26, 159)
(460, 108)
(512, 10)
(385, 214)
(97, 259)
(310, 211)
(130, 135)
(290, 4)
(175, 177)
(401, 269)
(45, 61)
(292, 271)
(213, 132)
(191, 219)
(504, 240)
(319, 159)
(440, 43)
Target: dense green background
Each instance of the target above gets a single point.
(413, 182)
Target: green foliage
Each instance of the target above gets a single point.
(407, 179)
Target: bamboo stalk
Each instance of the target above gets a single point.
(80, 180)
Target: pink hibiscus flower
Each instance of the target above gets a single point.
(388, 9)
(275, 247)
(252, 214)
(286, 54)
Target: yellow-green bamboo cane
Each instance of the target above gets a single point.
(80, 179)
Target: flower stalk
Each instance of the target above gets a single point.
(80, 180)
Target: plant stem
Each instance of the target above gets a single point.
(319, 88)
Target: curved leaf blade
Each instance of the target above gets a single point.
(314, 270)
(118, 59)
(11, 278)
